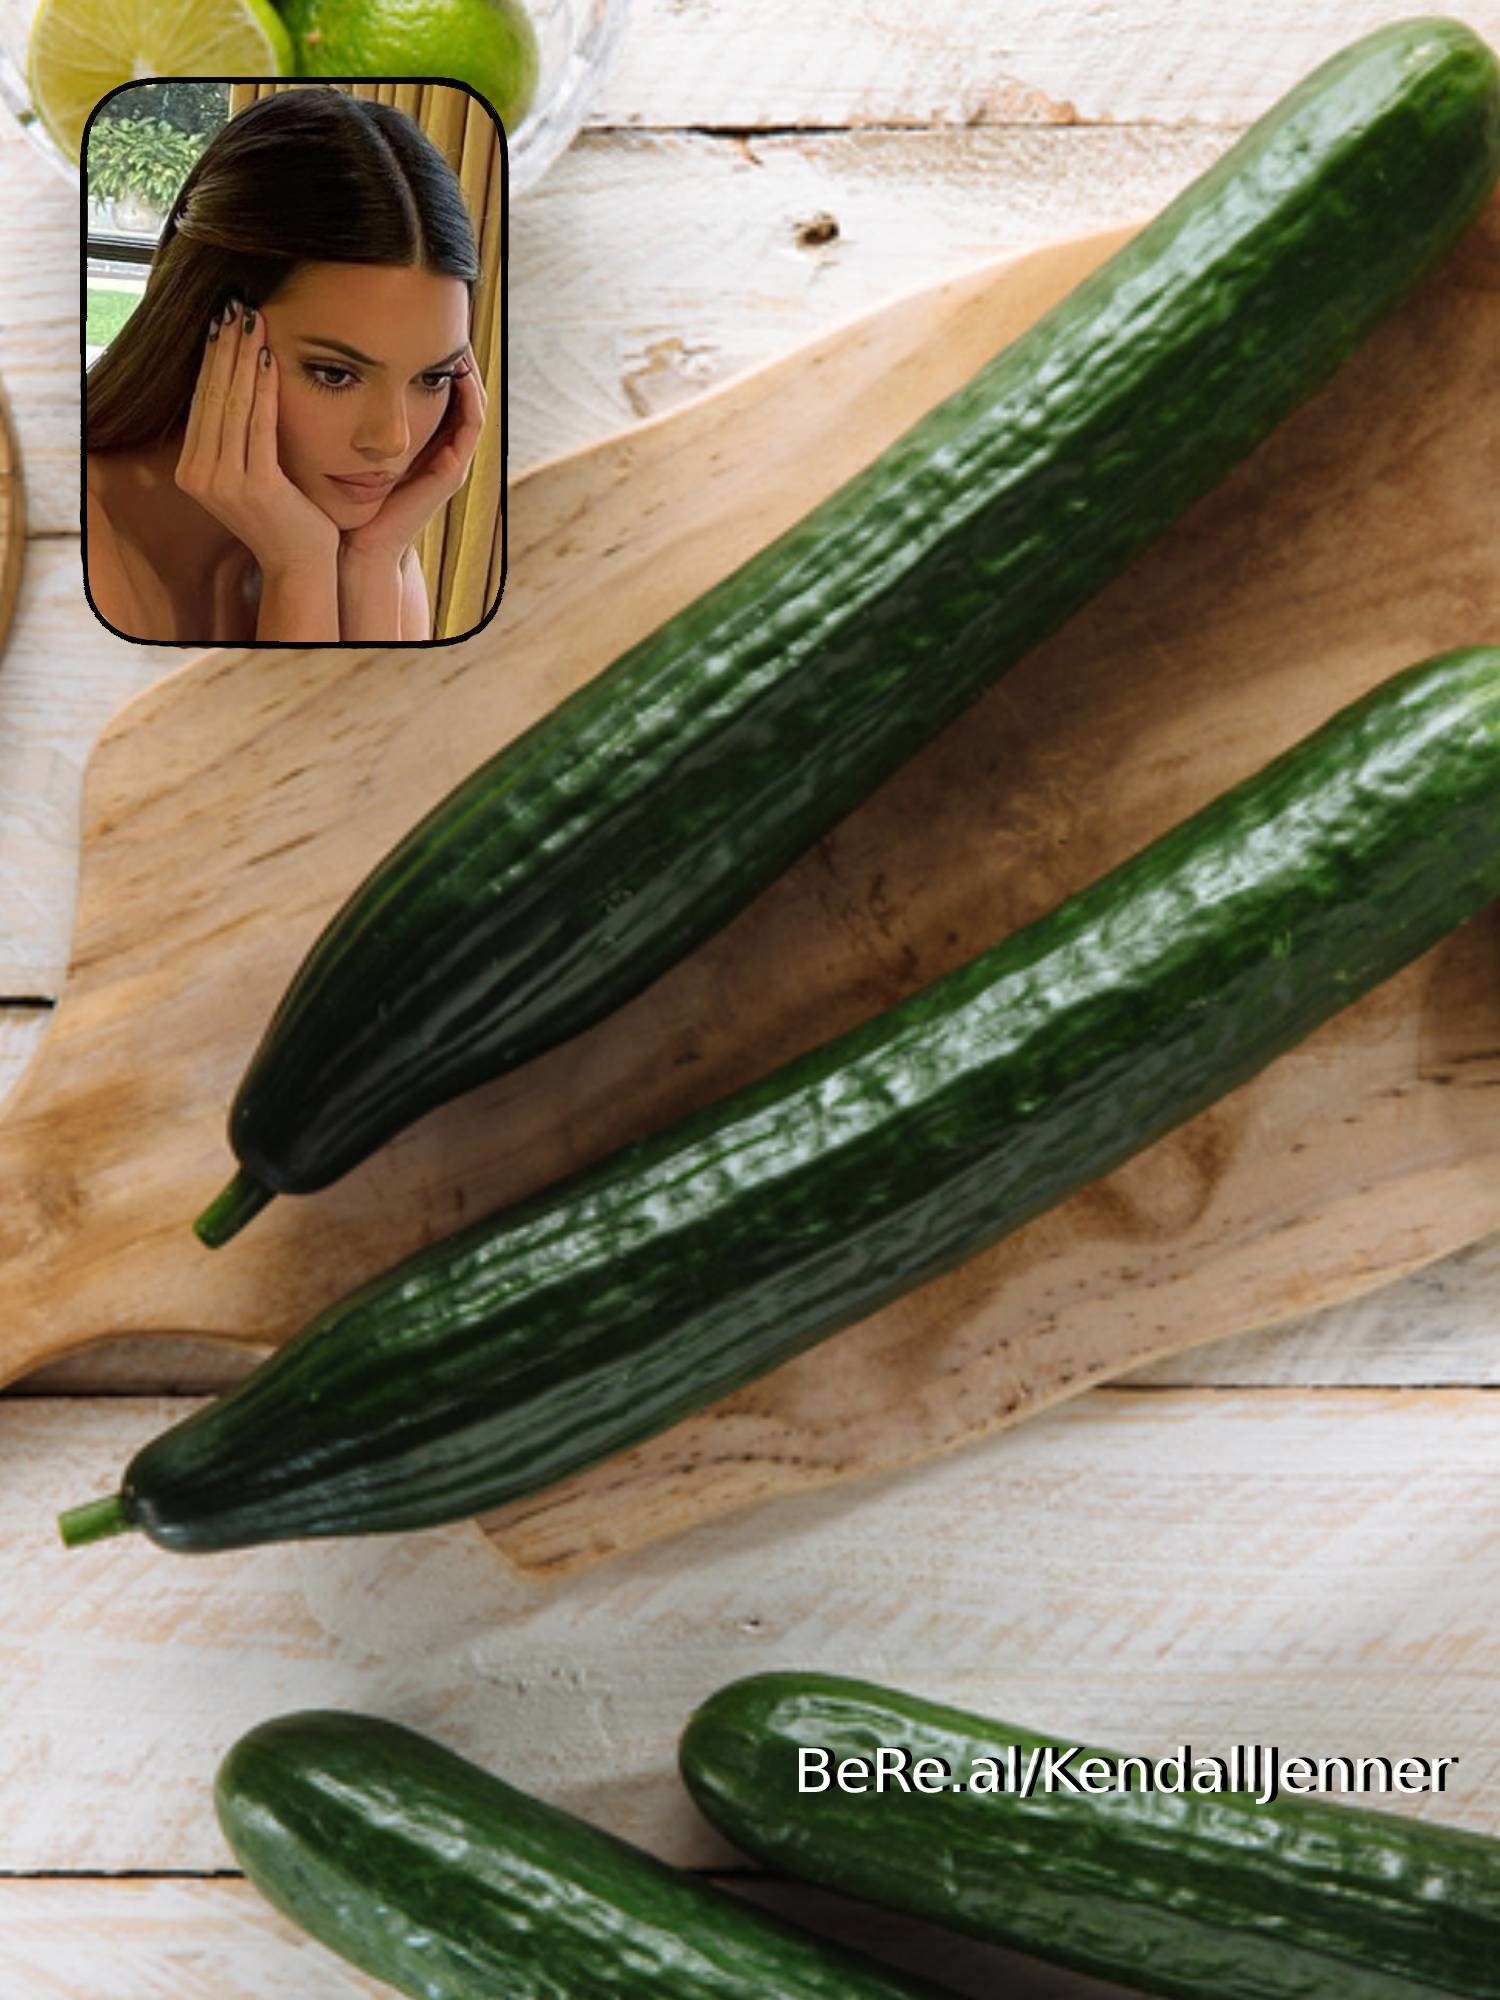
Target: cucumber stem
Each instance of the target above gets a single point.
(227, 1214)
(94, 1521)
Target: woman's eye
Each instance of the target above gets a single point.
(320, 372)
(332, 375)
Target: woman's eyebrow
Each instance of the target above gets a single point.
(343, 347)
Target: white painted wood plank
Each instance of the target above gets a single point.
(21, 1029)
(1439, 1326)
(821, 62)
(162, 1940)
(779, 63)
(40, 357)
(755, 247)
(1315, 1570)
(198, 1939)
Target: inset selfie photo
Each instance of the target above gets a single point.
(294, 322)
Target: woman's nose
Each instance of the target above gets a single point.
(384, 432)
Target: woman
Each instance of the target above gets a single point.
(295, 396)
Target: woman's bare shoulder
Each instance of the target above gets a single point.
(110, 588)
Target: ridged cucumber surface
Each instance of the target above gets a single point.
(421, 1868)
(599, 1312)
(607, 841)
(1204, 1897)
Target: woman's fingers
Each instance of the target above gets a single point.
(471, 408)
(261, 459)
(248, 337)
(216, 390)
(192, 442)
(450, 450)
(230, 466)
(200, 451)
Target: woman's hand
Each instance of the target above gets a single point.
(433, 477)
(228, 462)
(377, 599)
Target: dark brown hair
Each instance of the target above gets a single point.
(309, 175)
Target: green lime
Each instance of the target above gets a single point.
(488, 44)
(83, 49)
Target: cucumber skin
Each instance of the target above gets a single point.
(1200, 1897)
(423, 1869)
(619, 832)
(586, 1319)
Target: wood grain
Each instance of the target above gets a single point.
(822, 63)
(744, 267)
(161, 1940)
(1315, 1569)
(229, 811)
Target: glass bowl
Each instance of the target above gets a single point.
(576, 40)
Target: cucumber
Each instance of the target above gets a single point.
(626, 827)
(421, 1868)
(598, 1312)
(1206, 1896)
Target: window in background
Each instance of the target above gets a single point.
(141, 148)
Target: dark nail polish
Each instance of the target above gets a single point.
(229, 312)
(265, 357)
(213, 327)
(249, 319)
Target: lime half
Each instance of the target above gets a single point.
(83, 49)
(488, 44)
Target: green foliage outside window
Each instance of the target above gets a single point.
(143, 156)
(184, 102)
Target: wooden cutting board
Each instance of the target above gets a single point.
(232, 807)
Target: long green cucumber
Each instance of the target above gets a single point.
(423, 1869)
(1205, 1896)
(601, 846)
(600, 1311)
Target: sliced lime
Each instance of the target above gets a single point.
(83, 49)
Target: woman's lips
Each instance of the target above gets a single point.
(364, 482)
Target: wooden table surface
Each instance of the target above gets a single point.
(1289, 1538)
